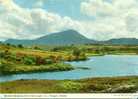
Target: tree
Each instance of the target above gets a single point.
(7, 54)
(40, 61)
(20, 46)
(29, 60)
(53, 58)
(2, 54)
(8, 44)
(76, 52)
(36, 47)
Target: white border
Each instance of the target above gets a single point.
(70, 96)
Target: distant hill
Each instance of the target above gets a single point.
(62, 38)
(122, 41)
(16, 41)
(71, 37)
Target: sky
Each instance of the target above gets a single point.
(95, 19)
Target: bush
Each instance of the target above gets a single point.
(20, 46)
(2, 54)
(29, 60)
(79, 54)
(48, 61)
(5, 67)
(40, 61)
(76, 52)
(37, 48)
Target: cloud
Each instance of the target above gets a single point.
(114, 19)
(39, 3)
(30, 23)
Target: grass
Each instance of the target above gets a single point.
(20, 65)
(15, 69)
(91, 85)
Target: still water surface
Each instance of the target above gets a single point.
(99, 66)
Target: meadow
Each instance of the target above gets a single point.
(91, 85)
(18, 59)
(27, 59)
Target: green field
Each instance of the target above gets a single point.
(91, 85)
(27, 59)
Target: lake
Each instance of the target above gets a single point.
(99, 66)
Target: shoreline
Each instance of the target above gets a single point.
(122, 84)
(58, 67)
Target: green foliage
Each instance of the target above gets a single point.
(5, 67)
(20, 46)
(37, 48)
(2, 54)
(91, 85)
(8, 44)
(79, 54)
(8, 68)
(71, 86)
(63, 48)
(48, 61)
(76, 52)
(29, 60)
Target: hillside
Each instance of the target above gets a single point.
(61, 38)
(69, 37)
(123, 41)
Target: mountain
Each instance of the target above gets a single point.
(61, 38)
(122, 41)
(71, 37)
(16, 41)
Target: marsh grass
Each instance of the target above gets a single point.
(91, 85)
(15, 69)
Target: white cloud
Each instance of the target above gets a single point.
(30, 23)
(39, 3)
(114, 19)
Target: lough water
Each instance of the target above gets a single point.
(99, 66)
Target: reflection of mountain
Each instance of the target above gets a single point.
(70, 37)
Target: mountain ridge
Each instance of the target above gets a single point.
(69, 37)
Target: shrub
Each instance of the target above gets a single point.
(7, 54)
(2, 54)
(76, 52)
(79, 54)
(20, 46)
(29, 60)
(48, 61)
(53, 58)
(5, 67)
(37, 48)
(40, 61)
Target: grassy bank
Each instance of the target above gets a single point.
(92, 85)
(24, 59)
(15, 69)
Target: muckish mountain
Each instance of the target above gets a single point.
(122, 41)
(61, 38)
(69, 37)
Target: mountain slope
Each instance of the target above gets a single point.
(62, 38)
(71, 37)
(122, 41)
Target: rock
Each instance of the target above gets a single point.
(124, 89)
(84, 68)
